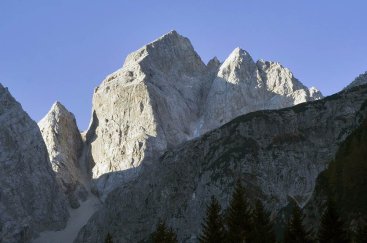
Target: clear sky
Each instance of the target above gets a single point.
(61, 50)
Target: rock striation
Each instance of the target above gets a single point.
(64, 145)
(165, 95)
(30, 199)
(278, 155)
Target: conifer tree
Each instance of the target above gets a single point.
(361, 235)
(331, 227)
(238, 218)
(163, 235)
(108, 238)
(171, 236)
(213, 228)
(295, 231)
(263, 231)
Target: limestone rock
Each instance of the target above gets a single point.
(243, 86)
(213, 65)
(152, 103)
(30, 199)
(64, 145)
(277, 153)
(165, 95)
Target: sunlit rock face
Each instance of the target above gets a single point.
(165, 95)
(30, 199)
(64, 145)
(147, 106)
(243, 86)
(277, 154)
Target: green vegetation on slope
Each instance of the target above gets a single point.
(347, 174)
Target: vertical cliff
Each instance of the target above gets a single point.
(64, 145)
(30, 198)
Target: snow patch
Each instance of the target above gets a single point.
(198, 127)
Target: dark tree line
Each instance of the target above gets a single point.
(242, 223)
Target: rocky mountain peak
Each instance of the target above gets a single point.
(60, 108)
(239, 66)
(150, 104)
(360, 80)
(315, 93)
(213, 63)
(213, 67)
(56, 113)
(169, 55)
(165, 95)
(170, 47)
(64, 145)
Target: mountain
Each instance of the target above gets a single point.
(277, 154)
(30, 199)
(64, 145)
(243, 86)
(165, 95)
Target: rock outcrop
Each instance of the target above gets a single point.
(277, 154)
(360, 80)
(243, 86)
(165, 95)
(149, 105)
(30, 199)
(64, 144)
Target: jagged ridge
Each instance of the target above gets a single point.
(165, 95)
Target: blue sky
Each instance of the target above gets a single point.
(61, 50)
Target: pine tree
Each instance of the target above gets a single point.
(295, 231)
(213, 228)
(331, 227)
(108, 238)
(238, 216)
(361, 235)
(171, 236)
(163, 235)
(263, 231)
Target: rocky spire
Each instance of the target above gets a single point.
(213, 65)
(64, 145)
(238, 67)
(147, 106)
(243, 86)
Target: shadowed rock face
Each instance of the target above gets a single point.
(30, 199)
(64, 144)
(165, 95)
(344, 181)
(277, 154)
